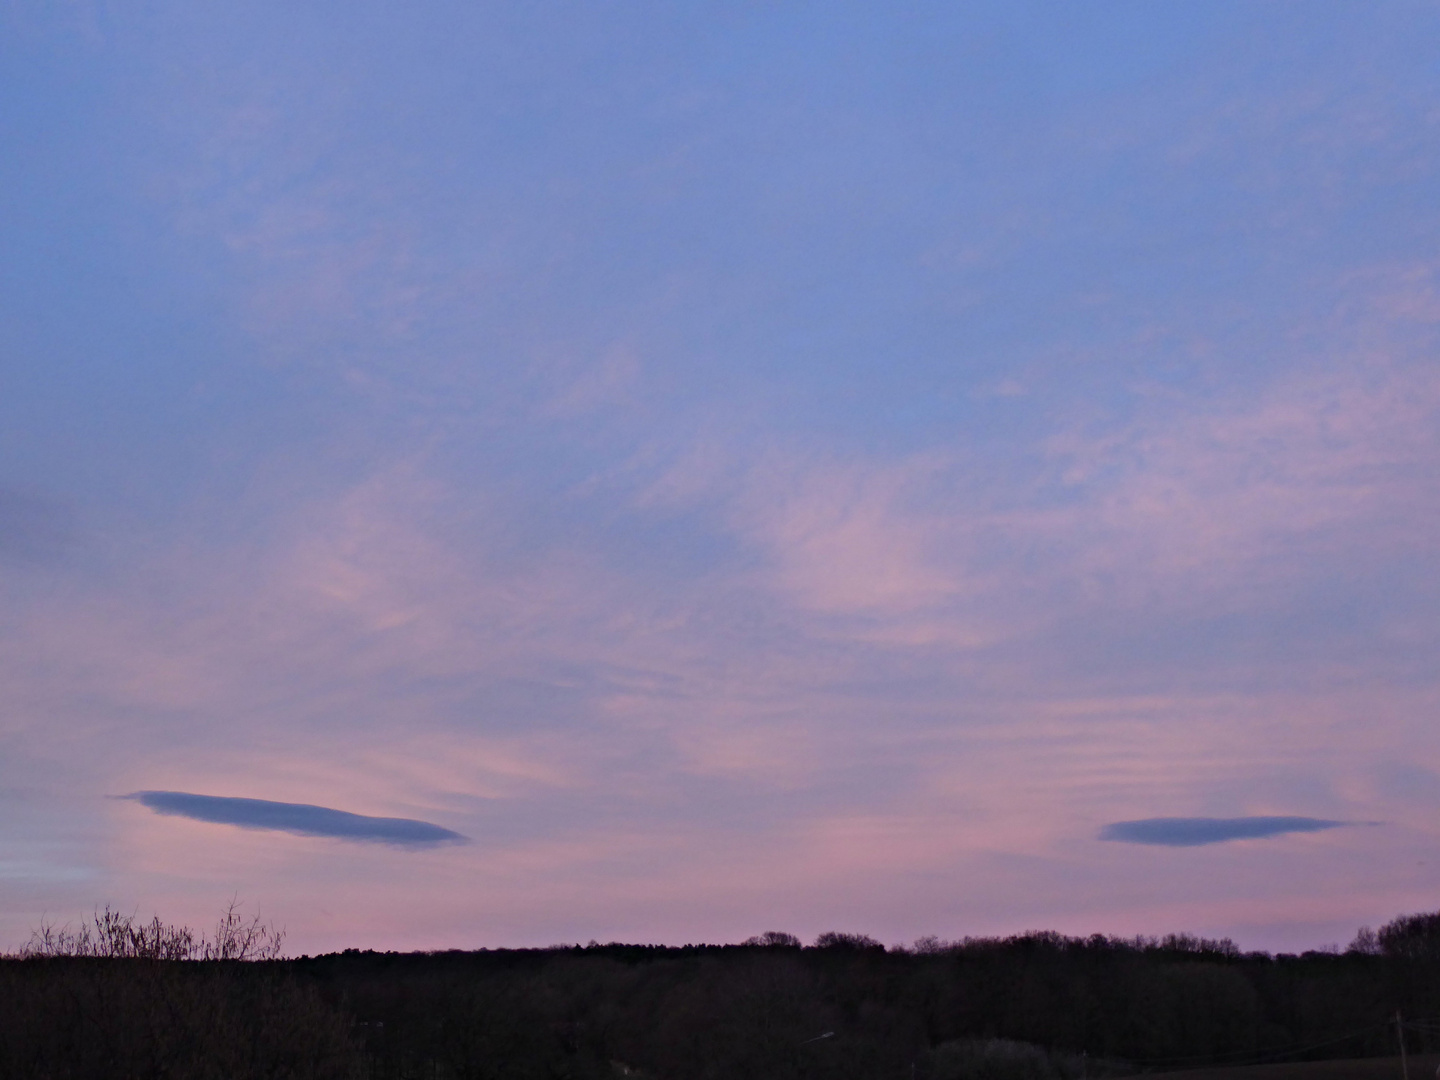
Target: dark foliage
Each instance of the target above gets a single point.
(1038, 1006)
(89, 1018)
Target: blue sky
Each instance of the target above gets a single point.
(743, 466)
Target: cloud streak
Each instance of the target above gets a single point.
(302, 819)
(1197, 831)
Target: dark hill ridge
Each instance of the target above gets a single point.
(1031, 1007)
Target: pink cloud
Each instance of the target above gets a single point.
(882, 749)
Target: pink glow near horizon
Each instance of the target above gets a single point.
(726, 527)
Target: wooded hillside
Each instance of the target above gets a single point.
(1033, 1006)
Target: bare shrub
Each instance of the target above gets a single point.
(238, 939)
(114, 934)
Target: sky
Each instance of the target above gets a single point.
(502, 474)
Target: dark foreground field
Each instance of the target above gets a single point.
(1033, 1007)
(1419, 1067)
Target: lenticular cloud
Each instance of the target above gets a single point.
(300, 818)
(1195, 831)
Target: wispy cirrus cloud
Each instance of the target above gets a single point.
(619, 486)
(302, 819)
(1187, 508)
(1198, 831)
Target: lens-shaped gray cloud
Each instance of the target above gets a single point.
(1195, 831)
(301, 818)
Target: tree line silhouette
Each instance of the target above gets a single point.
(126, 1000)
